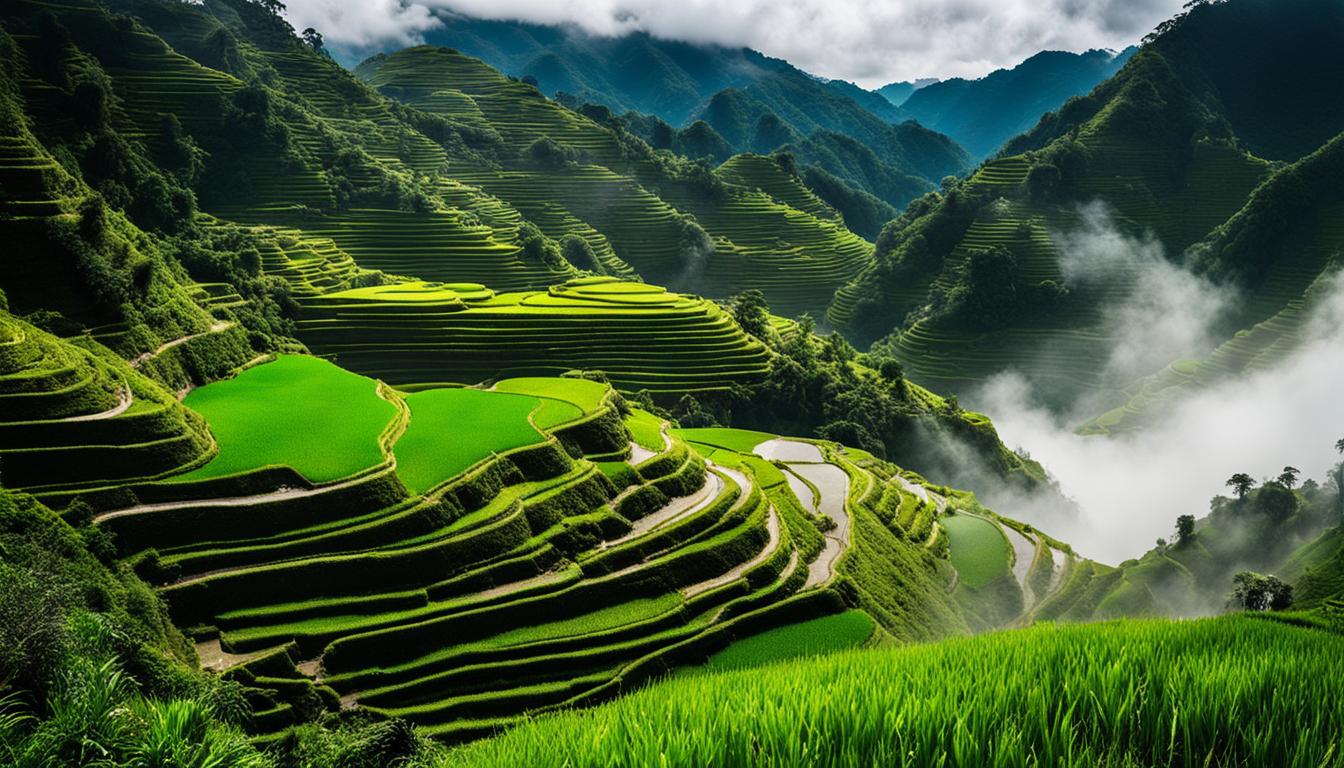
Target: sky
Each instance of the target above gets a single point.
(871, 42)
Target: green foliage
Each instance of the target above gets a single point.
(1137, 693)
(1258, 592)
(814, 637)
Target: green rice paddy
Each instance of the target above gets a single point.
(1215, 692)
(646, 429)
(452, 429)
(826, 634)
(583, 394)
(297, 411)
(740, 440)
(978, 549)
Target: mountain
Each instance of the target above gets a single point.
(898, 93)
(754, 102)
(982, 114)
(348, 416)
(1168, 149)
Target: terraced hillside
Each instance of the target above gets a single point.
(1285, 246)
(76, 417)
(460, 556)
(615, 184)
(1163, 168)
(640, 336)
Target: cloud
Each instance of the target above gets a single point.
(1168, 312)
(1131, 487)
(363, 24)
(872, 42)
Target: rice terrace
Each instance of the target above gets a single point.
(429, 384)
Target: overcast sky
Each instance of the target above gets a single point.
(872, 42)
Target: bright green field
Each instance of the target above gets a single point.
(977, 547)
(646, 429)
(827, 634)
(299, 411)
(1233, 691)
(586, 395)
(740, 440)
(451, 429)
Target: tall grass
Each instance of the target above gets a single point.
(1216, 692)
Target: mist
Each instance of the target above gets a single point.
(1167, 313)
(1130, 488)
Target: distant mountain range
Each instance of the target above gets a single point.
(982, 114)
(745, 100)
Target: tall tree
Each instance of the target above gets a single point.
(1185, 529)
(1288, 478)
(1241, 483)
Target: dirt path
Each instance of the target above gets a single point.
(513, 586)
(215, 327)
(800, 489)
(832, 484)
(682, 506)
(280, 494)
(772, 526)
(215, 658)
(1024, 551)
(124, 401)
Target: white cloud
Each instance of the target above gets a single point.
(869, 41)
(1169, 312)
(1131, 487)
(363, 24)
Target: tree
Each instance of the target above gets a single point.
(1241, 483)
(752, 313)
(1185, 529)
(1258, 592)
(892, 370)
(1275, 501)
(579, 252)
(989, 297)
(313, 38)
(1339, 480)
(1288, 478)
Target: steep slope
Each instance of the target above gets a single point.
(1157, 145)
(1282, 250)
(604, 178)
(982, 114)
(753, 101)
(900, 92)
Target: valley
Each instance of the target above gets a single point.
(512, 394)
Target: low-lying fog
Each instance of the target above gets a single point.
(1130, 488)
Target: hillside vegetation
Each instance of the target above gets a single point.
(709, 100)
(982, 114)
(973, 278)
(1131, 693)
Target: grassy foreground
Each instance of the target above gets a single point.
(1231, 691)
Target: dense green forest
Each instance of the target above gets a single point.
(483, 402)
